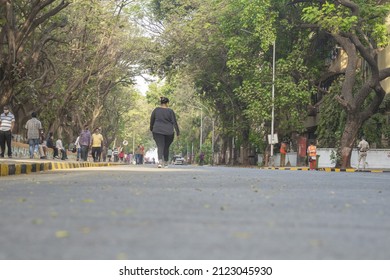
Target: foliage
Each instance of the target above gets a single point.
(331, 17)
(78, 64)
(331, 119)
(359, 29)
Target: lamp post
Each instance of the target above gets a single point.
(201, 130)
(273, 102)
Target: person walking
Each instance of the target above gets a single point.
(141, 154)
(7, 123)
(137, 155)
(115, 153)
(109, 154)
(312, 155)
(96, 144)
(34, 128)
(84, 142)
(363, 147)
(78, 148)
(162, 124)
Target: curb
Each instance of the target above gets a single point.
(327, 169)
(7, 169)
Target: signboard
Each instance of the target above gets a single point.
(275, 139)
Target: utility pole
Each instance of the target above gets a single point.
(273, 102)
(201, 130)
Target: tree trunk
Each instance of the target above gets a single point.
(222, 158)
(348, 141)
(6, 93)
(245, 147)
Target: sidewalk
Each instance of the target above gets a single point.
(10, 166)
(328, 169)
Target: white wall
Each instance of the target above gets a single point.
(376, 158)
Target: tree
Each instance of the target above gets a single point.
(24, 38)
(358, 27)
(69, 67)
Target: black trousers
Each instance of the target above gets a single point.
(163, 143)
(96, 152)
(5, 138)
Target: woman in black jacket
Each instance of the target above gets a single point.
(163, 125)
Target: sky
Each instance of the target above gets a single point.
(141, 84)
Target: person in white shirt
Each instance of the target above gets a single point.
(363, 147)
(7, 122)
(61, 148)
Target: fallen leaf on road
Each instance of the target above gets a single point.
(37, 222)
(242, 235)
(62, 234)
(122, 256)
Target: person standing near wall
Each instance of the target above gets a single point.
(163, 125)
(312, 155)
(7, 122)
(363, 147)
(34, 128)
(283, 152)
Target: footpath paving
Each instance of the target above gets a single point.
(329, 169)
(27, 166)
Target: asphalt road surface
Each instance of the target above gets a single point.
(186, 212)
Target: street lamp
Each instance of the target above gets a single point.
(273, 98)
(201, 131)
(273, 101)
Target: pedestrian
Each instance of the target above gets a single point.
(96, 144)
(137, 155)
(34, 128)
(60, 148)
(42, 146)
(78, 148)
(115, 154)
(312, 155)
(141, 153)
(283, 152)
(162, 124)
(121, 155)
(7, 123)
(201, 159)
(50, 144)
(85, 142)
(363, 147)
(109, 154)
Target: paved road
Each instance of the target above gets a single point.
(141, 212)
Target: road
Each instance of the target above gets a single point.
(186, 212)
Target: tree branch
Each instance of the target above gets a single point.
(384, 73)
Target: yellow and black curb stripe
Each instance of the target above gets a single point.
(326, 169)
(27, 168)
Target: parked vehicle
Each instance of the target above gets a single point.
(178, 160)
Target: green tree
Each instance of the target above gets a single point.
(26, 30)
(359, 28)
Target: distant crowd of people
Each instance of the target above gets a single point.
(87, 145)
